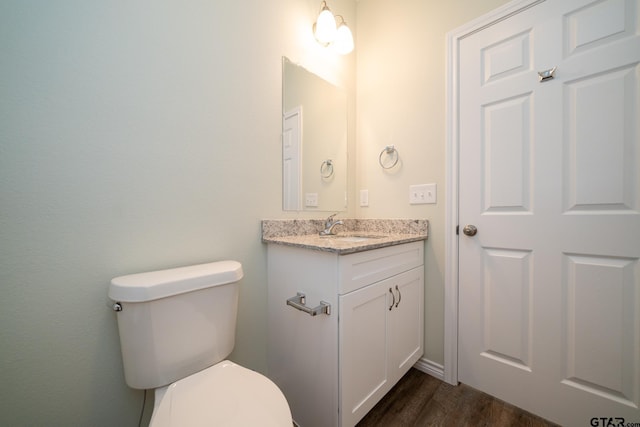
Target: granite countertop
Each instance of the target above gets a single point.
(379, 233)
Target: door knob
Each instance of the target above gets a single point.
(470, 230)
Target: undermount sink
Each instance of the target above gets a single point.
(353, 238)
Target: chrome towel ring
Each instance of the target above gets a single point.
(326, 169)
(392, 153)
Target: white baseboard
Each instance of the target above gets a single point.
(432, 368)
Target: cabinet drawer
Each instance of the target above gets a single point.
(364, 268)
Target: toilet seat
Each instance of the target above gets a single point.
(225, 394)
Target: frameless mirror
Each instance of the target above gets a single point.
(314, 142)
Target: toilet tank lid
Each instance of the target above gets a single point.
(142, 287)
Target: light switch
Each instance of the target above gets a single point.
(422, 194)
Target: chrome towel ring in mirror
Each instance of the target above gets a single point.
(326, 169)
(392, 154)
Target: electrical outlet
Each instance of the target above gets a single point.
(311, 200)
(422, 194)
(364, 198)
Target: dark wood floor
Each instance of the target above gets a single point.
(422, 400)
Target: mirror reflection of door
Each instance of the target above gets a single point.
(291, 161)
(322, 140)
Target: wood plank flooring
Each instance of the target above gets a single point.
(422, 400)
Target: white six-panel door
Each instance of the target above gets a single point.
(549, 173)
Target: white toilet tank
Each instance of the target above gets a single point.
(176, 322)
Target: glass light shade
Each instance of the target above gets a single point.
(325, 28)
(343, 43)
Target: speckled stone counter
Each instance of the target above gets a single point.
(376, 233)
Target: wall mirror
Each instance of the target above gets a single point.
(314, 142)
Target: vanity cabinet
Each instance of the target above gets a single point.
(334, 368)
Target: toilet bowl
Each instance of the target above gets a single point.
(225, 394)
(177, 328)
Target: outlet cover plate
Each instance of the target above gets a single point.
(364, 198)
(311, 200)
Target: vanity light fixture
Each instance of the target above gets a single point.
(329, 32)
(325, 27)
(343, 42)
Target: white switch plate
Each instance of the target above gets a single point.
(364, 198)
(311, 200)
(422, 194)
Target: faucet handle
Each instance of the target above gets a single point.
(329, 220)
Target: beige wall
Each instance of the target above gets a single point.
(139, 135)
(401, 52)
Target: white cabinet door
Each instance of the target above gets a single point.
(381, 337)
(406, 337)
(363, 350)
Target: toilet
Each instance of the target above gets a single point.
(177, 328)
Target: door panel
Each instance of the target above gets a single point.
(507, 307)
(597, 342)
(585, 29)
(602, 139)
(506, 57)
(506, 181)
(549, 288)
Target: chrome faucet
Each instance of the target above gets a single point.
(329, 225)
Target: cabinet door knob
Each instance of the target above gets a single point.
(394, 299)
